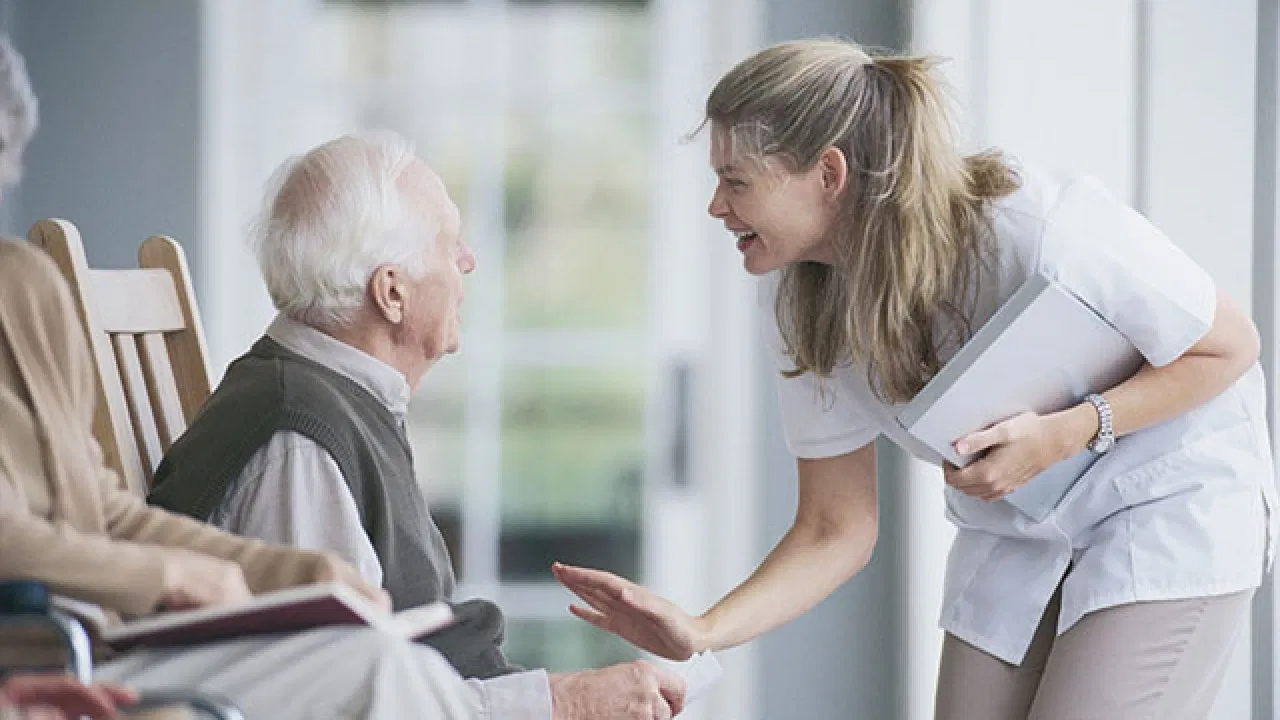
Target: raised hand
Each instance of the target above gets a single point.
(633, 613)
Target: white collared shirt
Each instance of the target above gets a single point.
(292, 492)
(1181, 509)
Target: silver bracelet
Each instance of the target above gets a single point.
(1106, 438)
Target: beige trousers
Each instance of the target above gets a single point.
(1160, 660)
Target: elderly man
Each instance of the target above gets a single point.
(304, 443)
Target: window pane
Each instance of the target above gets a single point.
(577, 203)
(572, 465)
(572, 278)
(562, 645)
(578, 54)
(577, 181)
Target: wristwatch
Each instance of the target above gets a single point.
(1106, 437)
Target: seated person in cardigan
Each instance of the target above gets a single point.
(303, 442)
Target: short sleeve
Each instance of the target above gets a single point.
(1128, 271)
(819, 419)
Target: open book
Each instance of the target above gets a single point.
(1043, 351)
(289, 610)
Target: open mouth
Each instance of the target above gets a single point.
(745, 239)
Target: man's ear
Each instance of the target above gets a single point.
(835, 171)
(387, 291)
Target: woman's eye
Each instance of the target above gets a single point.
(735, 183)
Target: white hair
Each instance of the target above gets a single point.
(18, 112)
(333, 217)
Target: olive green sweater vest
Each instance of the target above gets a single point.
(271, 389)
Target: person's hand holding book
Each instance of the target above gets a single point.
(1016, 450)
(331, 568)
(195, 580)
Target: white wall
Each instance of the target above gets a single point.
(117, 147)
(1266, 273)
(1157, 100)
(844, 658)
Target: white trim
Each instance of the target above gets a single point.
(1266, 313)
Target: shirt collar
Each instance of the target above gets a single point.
(381, 380)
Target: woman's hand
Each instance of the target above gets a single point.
(195, 580)
(633, 613)
(62, 696)
(1018, 449)
(331, 568)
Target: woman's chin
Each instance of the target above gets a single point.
(759, 264)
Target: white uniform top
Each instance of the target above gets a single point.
(1181, 509)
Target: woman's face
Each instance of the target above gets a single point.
(777, 216)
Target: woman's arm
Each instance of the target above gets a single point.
(1156, 394)
(123, 576)
(831, 539)
(264, 567)
(1022, 447)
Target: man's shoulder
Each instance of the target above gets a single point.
(271, 375)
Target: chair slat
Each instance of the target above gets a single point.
(187, 351)
(148, 346)
(162, 389)
(134, 301)
(114, 428)
(141, 416)
(62, 241)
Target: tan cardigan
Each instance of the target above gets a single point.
(64, 519)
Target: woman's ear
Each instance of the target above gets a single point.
(386, 289)
(835, 171)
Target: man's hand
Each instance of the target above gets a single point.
(634, 691)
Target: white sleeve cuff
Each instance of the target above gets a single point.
(520, 696)
(830, 447)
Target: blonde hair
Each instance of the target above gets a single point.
(914, 228)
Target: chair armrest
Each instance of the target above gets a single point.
(72, 632)
(26, 602)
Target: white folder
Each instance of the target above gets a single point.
(1044, 350)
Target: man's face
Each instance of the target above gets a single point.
(433, 317)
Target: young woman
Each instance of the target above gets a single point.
(883, 247)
